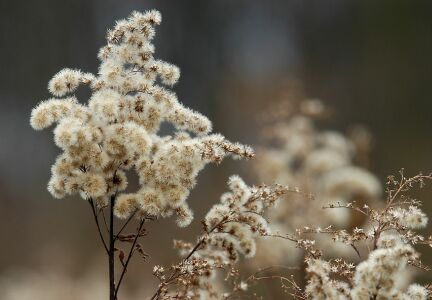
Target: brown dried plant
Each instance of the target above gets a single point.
(118, 130)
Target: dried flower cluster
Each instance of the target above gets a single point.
(230, 228)
(387, 242)
(374, 278)
(345, 210)
(318, 162)
(118, 129)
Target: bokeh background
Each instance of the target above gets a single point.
(370, 61)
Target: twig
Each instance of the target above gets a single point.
(125, 224)
(104, 219)
(131, 251)
(194, 249)
(90, 201)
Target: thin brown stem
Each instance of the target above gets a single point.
(124, 225)
(131, 251)
(112, 286)
(402, 186)
(101, 211)
(356, 250)
(194, 249)
(90, 201)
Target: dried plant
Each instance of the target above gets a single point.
(358, 252)
(318, 162)
(385, 247)
(118, 130)
(229, 229)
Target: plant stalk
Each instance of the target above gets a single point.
(111, 249)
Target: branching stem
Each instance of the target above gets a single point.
(131, 252)
(95, 216)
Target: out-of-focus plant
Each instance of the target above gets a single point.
(354, 245)
(315, 161)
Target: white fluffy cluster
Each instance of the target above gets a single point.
(374, 278)
(318, 162)
(118, 129)
(231, 227)
(411, 218)
(237, 220)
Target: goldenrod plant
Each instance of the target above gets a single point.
(352, 241)
(117, 130)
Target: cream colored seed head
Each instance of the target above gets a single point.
(118, 129)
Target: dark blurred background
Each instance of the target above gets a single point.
(369, 60)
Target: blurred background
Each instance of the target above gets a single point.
(370, 61)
